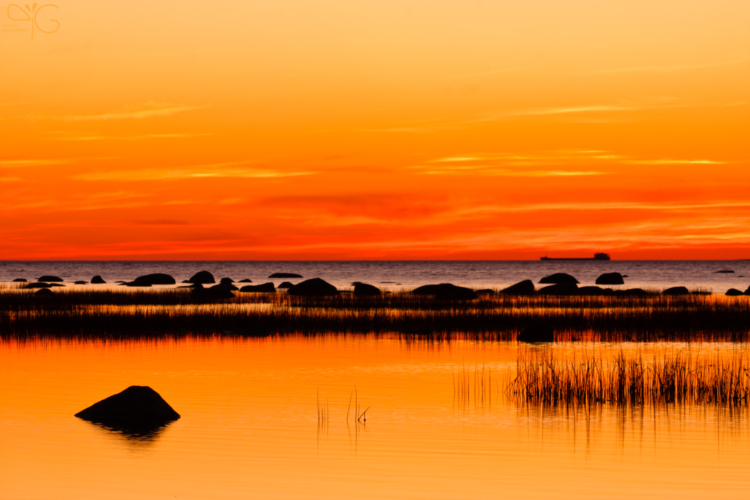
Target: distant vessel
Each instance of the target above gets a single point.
(597, 256)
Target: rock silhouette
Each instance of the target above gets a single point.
(285, 284)
(676, 290)
(152, 279)
(733, 292)
(560, 289)
(97, 280)
(81, 283)
(226, 280)
(558, 278)
(313, 287)
(50, 279)
(537, 332)
(136, 403)
(42, 285)
(725, 271)
(202, 277)
(246, 280)
(525, 287)
(446, 291)
(285, 275)
(363, 289)
(44, 292)
(19, 280)
(610, 279)
(264, 288)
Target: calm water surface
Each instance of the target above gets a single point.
(407, 274)
(249, 427)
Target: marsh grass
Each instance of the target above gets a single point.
(629, 379)
(129, 313)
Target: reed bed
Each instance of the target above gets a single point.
(115, 313)
(585, 378)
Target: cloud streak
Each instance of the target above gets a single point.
(216, 170)
(142, 111)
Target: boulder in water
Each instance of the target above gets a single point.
(560, 289)
(19, 280)
(363, 289)
(284, 285)
(447, 291)
(676, 290)
(202, 277)
(226, 280)
(725, 271)
(525, 287)
(81, 282)
(733, 292)
(246, 280)
(97, 280)
(224, 286)
(610, 279)
(264, 288)
(136, 403)
(42, 285)
(313, 287)
(558, 278)
(537, 332)
(152, 279)
(44, 292)
(50, 279)
(285, 275)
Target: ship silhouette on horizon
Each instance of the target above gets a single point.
(597, 256)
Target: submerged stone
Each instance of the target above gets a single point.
(49, 278)
(136, 403)
(285, 275)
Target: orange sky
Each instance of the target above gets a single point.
(423, 129)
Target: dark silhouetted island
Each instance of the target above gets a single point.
(597, 256)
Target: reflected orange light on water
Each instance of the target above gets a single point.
(249, 426)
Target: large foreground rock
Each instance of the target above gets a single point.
(313, 287)
(202, 277)
(733, 292)
(136, 403)
(537, 332)
(97, 280)
(364, 290)
(525, 287)
(558, 278)
(610, 279)
(446, 291)
(676, 290)
(285, 275)
(50, 279)
(264, 288)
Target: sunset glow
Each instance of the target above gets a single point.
(376, 130)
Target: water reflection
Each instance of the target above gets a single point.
(135, 432)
